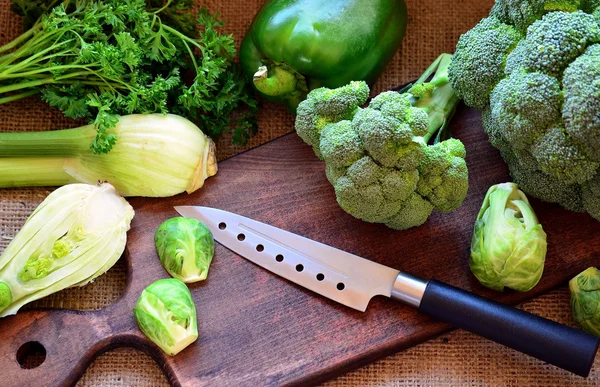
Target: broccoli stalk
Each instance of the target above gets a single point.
(378, 158)
(436, 97)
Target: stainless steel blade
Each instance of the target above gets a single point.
(333, 273)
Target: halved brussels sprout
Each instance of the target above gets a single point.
(166, 313)
(508, 248)
(185, 247)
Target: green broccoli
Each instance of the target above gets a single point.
(477, 66)
(553, 190)
(581, 110)
(554, 41)
(591, 196)
(443, 171)
(522, 13)
(543, 110)
(379, 159)
(558, 156)
(330, 106)
(524, 105)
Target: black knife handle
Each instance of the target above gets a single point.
(568, 348)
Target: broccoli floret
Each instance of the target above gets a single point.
(443, 172)
(388, 141)
(521, 156)
(478, 64)
(553, 42)
(522, 13)
(334, 173)
(539, 185)
(414, 212)
(378, 158)
(340, 145)
(559, 157)
(591, 196)
(399, 106)
(365, 171)
(523, 106)
(581, 110)
(325, 106)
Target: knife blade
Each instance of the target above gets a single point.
(352, 281)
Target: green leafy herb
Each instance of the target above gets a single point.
(98, 59)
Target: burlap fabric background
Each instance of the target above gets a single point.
(455, 359)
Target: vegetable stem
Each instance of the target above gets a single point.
(40, 82)
(17, 97)
(22, 38)
(441, 101)
(67, 142)
(33, 171)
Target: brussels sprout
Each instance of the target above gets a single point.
(585, 300)
(508, 248)
(185, 247)
(166, 313)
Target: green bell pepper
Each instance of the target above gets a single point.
(294, 46)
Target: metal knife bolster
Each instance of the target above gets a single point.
(408, 289)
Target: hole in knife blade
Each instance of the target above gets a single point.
(260, 248)
(340, 286)
(279, 258)
(241, 237)
(320, 277)
(222, 226)
(299, 267)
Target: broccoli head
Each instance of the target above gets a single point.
(543, 111)
(379, 159)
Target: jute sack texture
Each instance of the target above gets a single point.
(455, 359)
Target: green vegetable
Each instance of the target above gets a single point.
(294, 46)
(76, 234)
(533, 68)
(157, 156)
(166, 314)
(185, 247)
(508, 248)
(378, 158)
(585, 304)
(97, 59)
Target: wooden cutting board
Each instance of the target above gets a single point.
(258, 329)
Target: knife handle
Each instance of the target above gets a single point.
(568, 348)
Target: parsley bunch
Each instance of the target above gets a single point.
(98, 59)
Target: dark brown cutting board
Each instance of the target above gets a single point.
(258, 329)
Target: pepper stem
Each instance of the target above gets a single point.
(276, 81)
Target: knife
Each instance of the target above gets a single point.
(353, 281)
